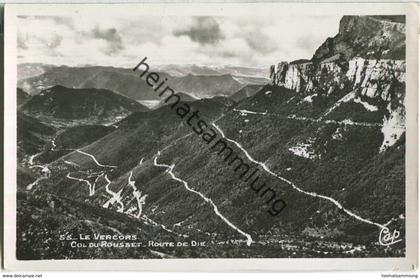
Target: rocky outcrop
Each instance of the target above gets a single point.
(365, 60)
(369, 37)
(376, 79)
(382, 79)
(367, 55)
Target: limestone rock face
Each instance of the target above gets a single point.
(376, 79)
(365, 61)
(370, 37)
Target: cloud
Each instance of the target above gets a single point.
(305, 42)
(66, 21)
(260, 42)
(54, 42)
(220, 40)
(60, 20)
(228, 54)
(204, 30)
(111, 37)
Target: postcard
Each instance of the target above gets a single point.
(211, 137)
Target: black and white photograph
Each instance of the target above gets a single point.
(213, 136)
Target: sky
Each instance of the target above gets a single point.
(212, 41)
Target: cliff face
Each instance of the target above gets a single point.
(378, 79)
(364, 60)
(369, 37)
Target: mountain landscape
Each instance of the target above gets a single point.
(246, 92)
(327, 135)
(183, 70)
(197, 81)
(60, 104)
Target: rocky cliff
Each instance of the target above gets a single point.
(370, 37)
(366, 60)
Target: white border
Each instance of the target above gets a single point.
(213, 265)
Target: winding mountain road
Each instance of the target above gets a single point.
(169, 170)
(95, 160)
(141, 200)
(91, 186)
(115, 197)
(295, 187)
(346, 122)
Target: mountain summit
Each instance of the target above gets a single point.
(369, 37)
(363, 65)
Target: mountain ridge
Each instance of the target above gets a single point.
(67, 104)
(126, 82)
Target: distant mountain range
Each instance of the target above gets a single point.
(206, 86)
(183, 70)
(200, 82)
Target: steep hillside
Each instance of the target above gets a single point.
(71, 139)
(358, 70)
(75, 137)
(32, 135)
(21, 96)
(328, 156)
(43, 216)
(245, 92)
